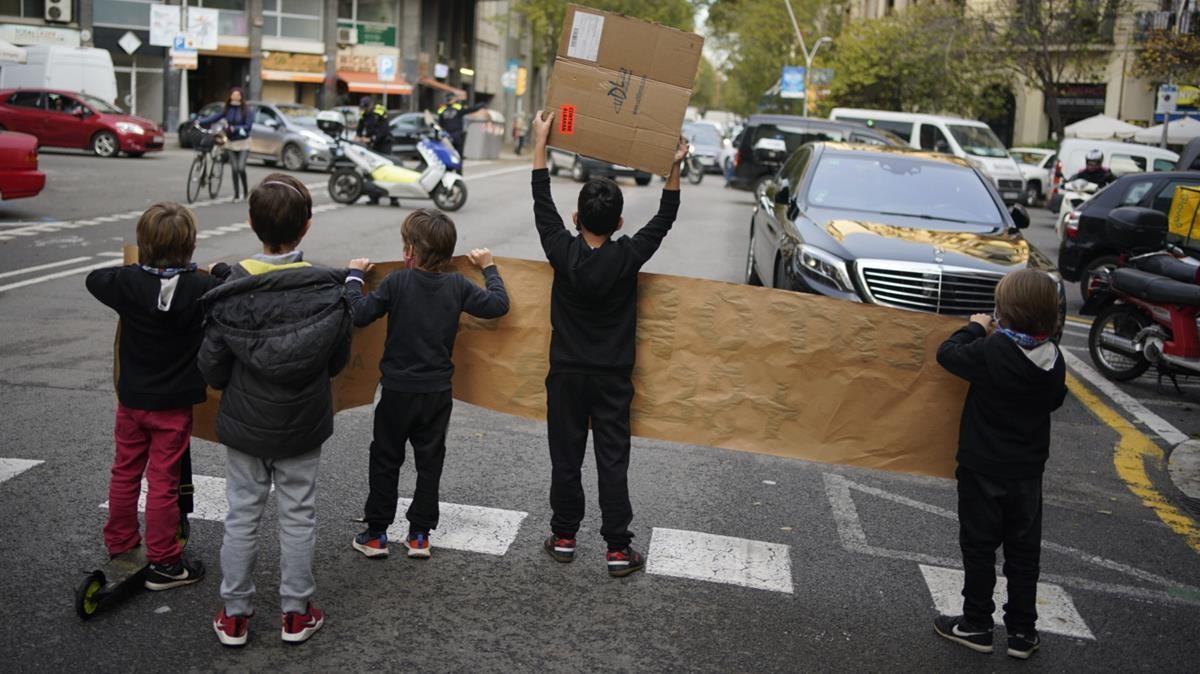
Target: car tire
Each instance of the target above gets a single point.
(105, 144)
(578, 172)
(292, 157)
(642, 180)
(1085, 277)
(551, 165)
(781, 277)
(752, 277)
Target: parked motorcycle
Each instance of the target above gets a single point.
(1075, 194)
(691, 168)
(358, 171)
(1146, 311)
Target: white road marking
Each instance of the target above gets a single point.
(469, 528)
(111, 254)
(1056, 612)
(854, 539)
(40, 267)
(208, 502)
(10, 468)
(720, 559)
(58, 275)
(500, 172)
(1161, 427)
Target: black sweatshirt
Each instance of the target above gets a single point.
(423, 309)
(593, 304)
(1005, 430)
(157, 348)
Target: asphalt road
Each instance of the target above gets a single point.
(809, 567)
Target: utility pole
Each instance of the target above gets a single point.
(328, 95)
(808, 56)
(254, 84)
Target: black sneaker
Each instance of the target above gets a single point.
(561, 549)
(624, 562)
(957, 629)
(166, 576)
(1021, 645)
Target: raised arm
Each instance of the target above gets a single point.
(553, 232)
(647, 240)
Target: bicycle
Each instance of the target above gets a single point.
(208, 168)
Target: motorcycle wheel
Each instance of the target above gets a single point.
(695, 172)
(452, 199)
(345, 186)
(1123, 321)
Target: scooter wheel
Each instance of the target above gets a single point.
(90, 595)
(452, 199)
(345, 186)
(1120, 320)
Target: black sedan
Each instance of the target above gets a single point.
(1086, 248)
(892, 226)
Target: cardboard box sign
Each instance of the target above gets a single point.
(620, 88)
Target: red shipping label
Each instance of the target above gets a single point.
(566, 120)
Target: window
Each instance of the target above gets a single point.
(867, 140)
(26, 99)
(1164, 165)
(29, 9)
(977, 140)
(122, 13)
(1136, 191)
(793, 170)
(1124, 164)
(933, 139)
(1162, 201)
(266, 115)
(902, 129)
(374, 20)
(231, 15)
(792, 137)
(292, 18)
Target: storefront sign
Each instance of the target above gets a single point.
(24, 35)
(298, 63)
(1081, 98)
(377, 35)
(164, 24)
(202, 28)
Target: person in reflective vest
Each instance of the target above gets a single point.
(450, 118)
(373, 126)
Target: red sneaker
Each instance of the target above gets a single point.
(231, 629)
(298, 627)
(624, 562)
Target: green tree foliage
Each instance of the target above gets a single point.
(545, 18)
(707, 94)
(1165, 55)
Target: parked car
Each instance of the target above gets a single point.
(708, 142)
(283, 133)
(75, 120)
(583, 168)
(768, 140)
(1037, 170)
(1086, 247)
(964, 138)
(883, 225)
(19, 174)
(1120, 158)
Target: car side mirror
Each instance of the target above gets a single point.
(1020, 216)
(782, 195)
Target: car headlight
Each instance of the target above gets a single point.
(130, 127)
(826, 266)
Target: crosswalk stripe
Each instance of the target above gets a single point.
(208, 502)
(40, 267)
(1056, 611)
(720, 559)
(468, 528)
(58, 275)
(10, 468)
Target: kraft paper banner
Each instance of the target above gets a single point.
(718, 364)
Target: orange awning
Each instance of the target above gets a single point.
(292, 76)
(368, 83)
(434, 84)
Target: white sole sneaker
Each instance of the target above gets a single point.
(373, 553)
(227, 640)
(303, 635)
(418, 553)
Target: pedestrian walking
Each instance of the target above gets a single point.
(277, 330)
(162, 324)
(423, 303)
(521, 130)
(593, 312)
(239, 122)
(451, 118)
(1017, 378)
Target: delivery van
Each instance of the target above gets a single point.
(966, 138)
(82, 69)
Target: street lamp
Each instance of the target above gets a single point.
(808, 56)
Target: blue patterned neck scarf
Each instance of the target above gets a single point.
(168, 272)
(1023, 340)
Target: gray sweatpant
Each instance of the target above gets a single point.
(248, 482)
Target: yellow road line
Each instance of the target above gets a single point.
(1133, 449)
(1078, 321)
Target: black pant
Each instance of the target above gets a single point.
(419, 418)
(992, 512)
(572, 401)
(458, 140)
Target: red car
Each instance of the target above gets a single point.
(75, 120)
(19, 174)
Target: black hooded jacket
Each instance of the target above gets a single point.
(1005, 429)
(593, 303)
(275, 335)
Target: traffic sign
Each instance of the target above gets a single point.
(791, 82)
(1168, 99)
(385, 68)
(129, 42)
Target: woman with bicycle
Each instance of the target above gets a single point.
(239, 120)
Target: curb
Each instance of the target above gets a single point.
(1183, 466)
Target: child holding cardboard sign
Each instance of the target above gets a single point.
(593, 310)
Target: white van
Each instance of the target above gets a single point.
(1120, 157)
(83, 69)
(967, 138)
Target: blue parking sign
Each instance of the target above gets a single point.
(385, 68)
(791, 82)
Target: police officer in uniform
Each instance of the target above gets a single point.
(373, 126)
(450, 118)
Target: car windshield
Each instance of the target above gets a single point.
(100, 105)
(300, 114)
(898, 185)
(792, 136)
(702, 134)
(978, 140)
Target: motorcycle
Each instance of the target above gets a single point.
(1146, 312)
(358, 170)
(1075, 194)
(691, 168)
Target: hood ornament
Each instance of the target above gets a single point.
(939, 254)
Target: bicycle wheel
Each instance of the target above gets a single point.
(215, 176)
(196, 176)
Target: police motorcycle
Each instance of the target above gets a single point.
(358, 171)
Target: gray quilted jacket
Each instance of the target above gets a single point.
(273, 339)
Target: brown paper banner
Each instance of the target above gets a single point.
(721, 365)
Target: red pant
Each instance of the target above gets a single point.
(152, 442)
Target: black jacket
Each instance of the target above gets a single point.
(1100, 178)
(157, 347)
(423, 310)
(451, 116)
(1005, 430)
(273, 340)
(593, 303)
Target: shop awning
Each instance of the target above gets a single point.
(368, 83)
(442, 86)
(292, 76)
